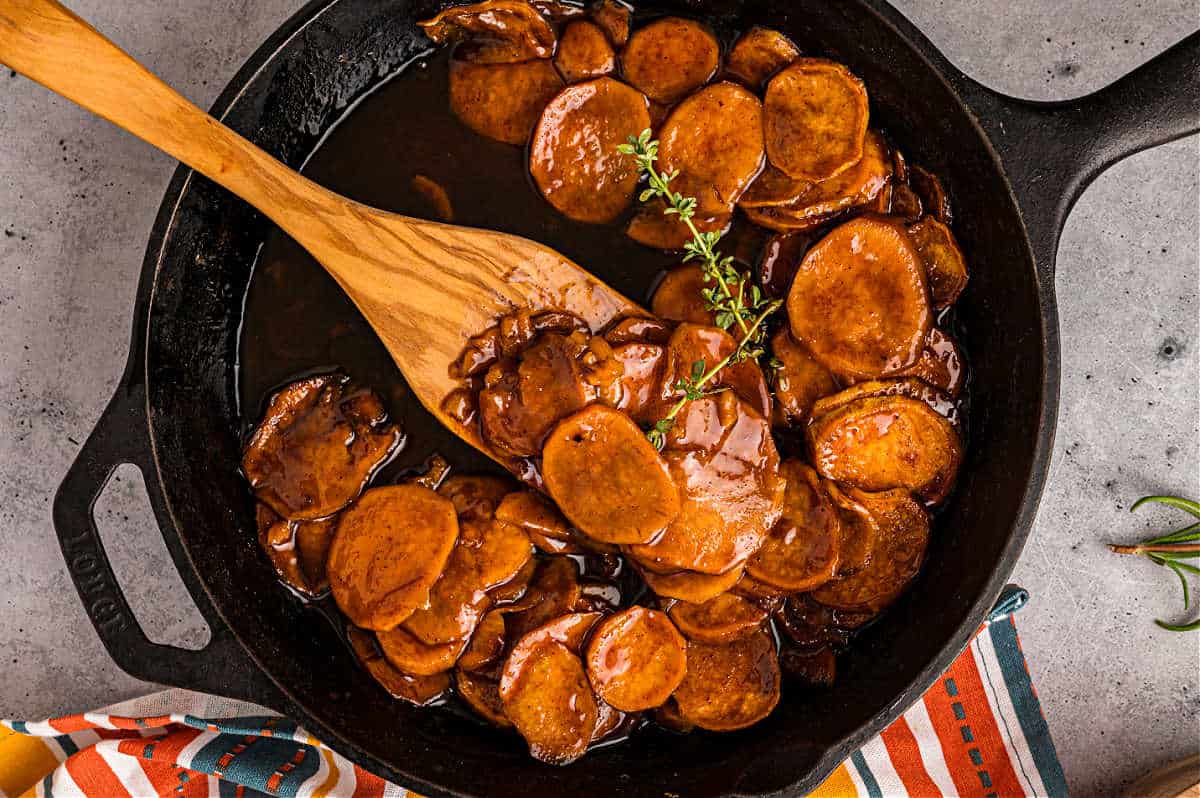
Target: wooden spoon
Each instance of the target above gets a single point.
(424, 287)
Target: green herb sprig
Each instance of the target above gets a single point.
(729, 293)
(1171, 551)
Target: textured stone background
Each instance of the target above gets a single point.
(77, 199)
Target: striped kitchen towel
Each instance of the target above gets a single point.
(978, 731)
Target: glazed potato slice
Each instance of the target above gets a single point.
(721, 619)
(476, 497)
(514, 589)
(940, 364)
(722, 457)
(897, 558)
(914, 388)
(782, 220)
(859, 302)
(802, 550)
(730, 685)
(692, 343)
(638, 330)
(418, 690)
(652, 228)
(808, 202)
(574, 158)
(584, 52)
(636, 659)
(607, 478)
(933, 195)
(531, 512)
(883, 442)
(670, 58)
(487, 642)
(906, 203)
(815, 119)
(482, 695)
(613, 17)
(510, 30)
(390, 548)
(780, 259)
(714, 140)
(859, 531)
(554, 592)
(799, 382)
(502, 101)
(945, 266)
(297, 549)
(691, 586)
(639, 389)
(758, 54)
(759, 592)
(550, 702)
(408, 654)
(318, 445)
(678, 298)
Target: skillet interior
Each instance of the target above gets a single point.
(194, 325)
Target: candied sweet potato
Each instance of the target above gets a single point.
(584, 52)
(799, 381)
(815, 117)
(476, 497)
(859, 531)
(550, 702)
(730, 685)
(510, 30)
(653, 228)
(613, 17)
(670, 58)
(418, 690)
(933, 195)
(416, 658)
(692, 343)
(502, 101)
(859, 301)
(514, 589)
(898, 555)
(487, 642)
(945, 266)
(912, 387)
(607, 478)
(318, 445)
(883, 442)
(639, 389)
(574, 158)
(802, 550)
(678, 298)
(297, 549)
(389, 549)
(940, 364)
(714, 140)
(758, 54)
(691, 586)
(636, 659)
(482, 694)
(554, 591)
(780, 259)
(721, 619)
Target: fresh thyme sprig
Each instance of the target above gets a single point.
(1171, 550)
(727, 295)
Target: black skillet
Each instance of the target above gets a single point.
(1013, 169)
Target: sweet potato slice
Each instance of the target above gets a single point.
(722, 457)
(609, 720)
(730, 685)
(390, 548)
(584, 52)
(884, 442)
(318, 445)
(940, 364)
(502, 101)
(482, 695)
(534, 514)
(691, 586)
(418, 690)
(510, 30)
(802, 550)
(758, 54)
(297, 549)
(638, 330)
(906, 204)
(550, 702)
(914, 388)
(859, 301)
(781, 257)
(945, 266)
(714, 140)
(607, 478)
(670, 58)
(933, 195)
(815, 119)
(799, 382)
(859, 531)
(780, 220)
(678, 298)
(574, 158)
(554, 592)
(572, 630)
(614, 18)
(636, 659)
(487, 642)
(721, 619)
(668, 716)
(692, 343)
(476, 497)
(652, 228)
(807, 203)
(514, 589)
(897, 557)
(640, 386)
(408, 654)
(759, 592)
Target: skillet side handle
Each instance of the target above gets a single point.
(1053, 151)
(222, 667)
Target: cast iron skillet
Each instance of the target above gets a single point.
(1013, 168)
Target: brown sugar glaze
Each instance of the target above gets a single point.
(386, 152)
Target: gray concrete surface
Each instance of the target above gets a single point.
(77, 199)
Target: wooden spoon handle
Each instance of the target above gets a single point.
(49, 44)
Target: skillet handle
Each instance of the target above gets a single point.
(1052, 151)
(222, 667)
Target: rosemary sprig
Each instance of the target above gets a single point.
(728, 296)
(1171, 551)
